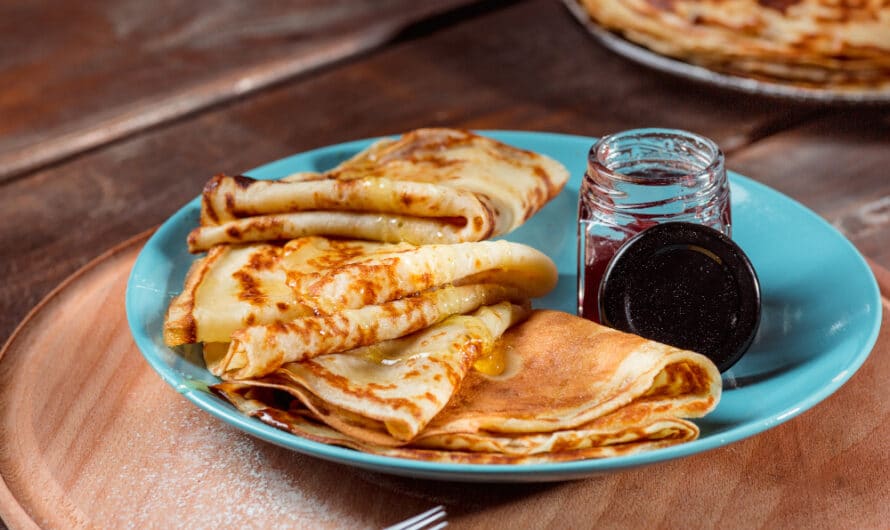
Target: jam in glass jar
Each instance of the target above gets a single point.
(639, 178)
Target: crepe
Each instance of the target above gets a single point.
(236, 287)
(392, 275)
(429, 186)
(259, 350)
(602, 444)
(571, 389)
(231, 287)
(808, 43)
(387, 393)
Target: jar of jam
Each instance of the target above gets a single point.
(639, 178)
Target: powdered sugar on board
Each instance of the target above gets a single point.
(186, 469)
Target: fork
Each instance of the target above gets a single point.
(428, 520)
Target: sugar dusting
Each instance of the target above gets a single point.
(187, 469)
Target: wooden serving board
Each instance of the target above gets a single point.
(91, 437)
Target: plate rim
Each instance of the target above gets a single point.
(484, 472)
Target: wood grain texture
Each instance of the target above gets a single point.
(838, 166)
(91, 437)
(520, 66)
(104, 443)
(103, 70)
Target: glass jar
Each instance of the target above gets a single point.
(639, 178)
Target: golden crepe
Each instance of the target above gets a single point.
(429, 186)
(234, 287)
(571, 389)
(808, 43)
(258, 350)
(388, 276)
(259, 306)
(388, 392)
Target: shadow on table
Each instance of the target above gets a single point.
(468, 496)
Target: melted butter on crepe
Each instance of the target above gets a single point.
(258, 350)
(228, 289)
(398, 274)
(429, 186)
(388, 392)
(236, 287)
(573, 389)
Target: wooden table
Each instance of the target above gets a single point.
(117, 117)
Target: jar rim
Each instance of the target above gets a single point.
(714, 155)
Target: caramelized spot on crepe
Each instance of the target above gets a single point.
(778, 5)
(234, 233)
(335, 252)
(208, 213)
(230, 201)
(264, 260)
(665, 5)
(249, 288)
(243, 181)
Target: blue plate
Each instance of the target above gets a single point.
(821, 314)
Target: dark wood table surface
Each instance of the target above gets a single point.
(117, 116)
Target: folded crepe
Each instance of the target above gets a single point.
(571, 389)
(259, 350)
(388, 393)
(305, 291)
(429, 186)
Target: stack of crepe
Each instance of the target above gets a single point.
(808, 43)
(571, 389)
(424, 348)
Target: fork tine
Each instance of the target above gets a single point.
(423, 520)
(428, 521)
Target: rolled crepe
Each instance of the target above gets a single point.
(429, 186)
(572, 389)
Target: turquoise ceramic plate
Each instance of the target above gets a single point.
(821, 314)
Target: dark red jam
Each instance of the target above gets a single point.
(636, 180)
(601, 250)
